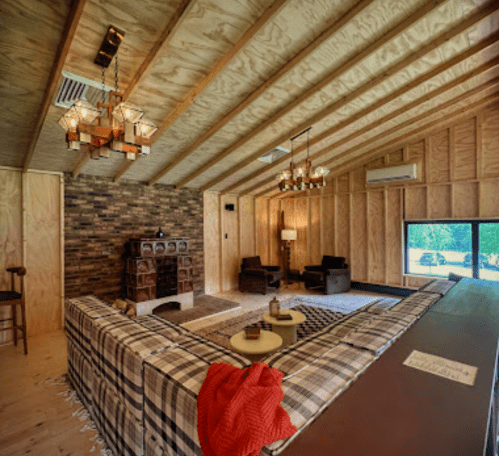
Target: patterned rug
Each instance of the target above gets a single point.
(317, 318)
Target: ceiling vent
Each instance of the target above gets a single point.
(274, 154)
(392, 174)
(74, 88)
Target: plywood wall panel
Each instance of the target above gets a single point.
(288, 206)
(230, 243)
(416, 282)
(314, 246)
(415, 203)
(300, 246)
(465, 200)
(343, 183)
(247, 226)
(10, 237)
(439, 201)
(393, 237)
(327, 224)
(415, 153)
(359, 179)
(490, 143)
(212, 238)
(262, 228)
(43, 253)
(376, 246)
(342, 241)
(358, 262)
(274, 235)
(439, 157)
(395, 158)
(464, 153)
(489, 198)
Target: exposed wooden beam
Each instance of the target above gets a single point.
(423, 78)
(401, 126)
(83, 160)
(352, 61)
(326, 34)
(484, 11)
(124, 168)
(273, 9)
(75, 11)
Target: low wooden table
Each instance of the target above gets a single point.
(285, 328)
(255, 349)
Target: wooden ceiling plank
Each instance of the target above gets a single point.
(492, 39)
(399, 127)
(401, 26)
(398, 142)
(196, 90)
(481, 13)
(83, 161)
(325, 35)
(72, 21)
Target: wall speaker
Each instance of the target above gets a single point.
(229, 207)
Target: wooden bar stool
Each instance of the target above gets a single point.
(13, 298)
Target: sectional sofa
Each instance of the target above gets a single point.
(140, 378)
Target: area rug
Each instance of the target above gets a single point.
(316, 319)
(340, 302)
(204, 306)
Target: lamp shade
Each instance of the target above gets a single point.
(288, 235)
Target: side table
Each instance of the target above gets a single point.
(285, 328)
(255, 349)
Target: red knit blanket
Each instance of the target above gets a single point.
(239, 410)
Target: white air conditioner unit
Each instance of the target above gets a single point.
(392, 174)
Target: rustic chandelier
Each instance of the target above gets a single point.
(302, 178)
(117, 125)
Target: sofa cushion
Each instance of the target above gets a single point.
(350, 323)
(380, 305)
(438, 286)
(416, 304)
(119, 348)
(310, 390)
(331, 262)
(161, 326)
(80, 374)
(252, 262)
(122, 432)
(79, 315)
(380, 333)
(172, 381)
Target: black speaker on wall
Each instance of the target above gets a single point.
(229, 207)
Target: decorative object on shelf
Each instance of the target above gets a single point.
(117, 125)
(274, 307)
(252, 332)
(284, 317)
(302, 178)
(286, 237)
(160, 233)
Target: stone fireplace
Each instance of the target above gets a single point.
(159, 270)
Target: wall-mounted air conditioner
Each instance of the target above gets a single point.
(392, 174)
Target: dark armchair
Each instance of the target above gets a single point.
(257, 278)
(333, 275)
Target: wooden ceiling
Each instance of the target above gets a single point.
(229, 80)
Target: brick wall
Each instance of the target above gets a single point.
(100, 216)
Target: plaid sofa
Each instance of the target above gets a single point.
(140, 378)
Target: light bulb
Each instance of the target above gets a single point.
(83, 112)
(73, 123)
(127, 113)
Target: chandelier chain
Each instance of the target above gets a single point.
(103, 85)
(116, 73)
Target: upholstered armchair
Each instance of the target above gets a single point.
(257, 278)
(332, 275)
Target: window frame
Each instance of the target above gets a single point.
(475, 244)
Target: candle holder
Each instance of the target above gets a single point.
(252, 332)
(274, 307)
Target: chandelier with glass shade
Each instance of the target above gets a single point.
(117, 125)
(302, 178)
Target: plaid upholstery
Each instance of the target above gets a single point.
(351, 323)
(152, 447)
(312, 389)
(377, 335)
(416, 304)
(119, 348)
(380, 305)
(438, 286)
(159, 325)
(123, 433)
(172, 381)
(291, 359)
(80, 375)
(79, 315)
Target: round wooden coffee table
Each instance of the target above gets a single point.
(255, 349)
(285, 328)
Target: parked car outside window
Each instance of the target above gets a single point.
(432, 259)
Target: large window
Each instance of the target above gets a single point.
(467, 247)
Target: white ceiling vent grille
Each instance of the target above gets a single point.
(274, 154)
(392, 174)
(74, 87)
